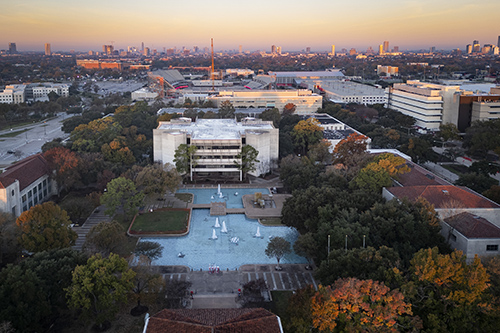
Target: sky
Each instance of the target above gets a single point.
(254, 24)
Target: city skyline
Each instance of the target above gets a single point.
(256, 26)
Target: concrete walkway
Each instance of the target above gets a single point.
(442, 172)
(95, 218)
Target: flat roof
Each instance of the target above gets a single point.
(334, 73)
(216, 129)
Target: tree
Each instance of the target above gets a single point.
(65, 163)
(226, 110)
(449, 132)
(307, 133)
(349, 150)
(251, 297)
(352, 305)
(45, 227)
(320, 152)
(420, 150)
(378, 173)
(493, 193)
(476, 181)
(289, 109)
(277, 248)
(271, 115)
(176, 293)
(152, 250)
(185, 159)
(485, 167)
(9, 234)
(106, 238)
(99, 287)
(158, 178)
(146, 283)
(248, 158)
(122, 194)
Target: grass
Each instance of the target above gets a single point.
(13, 134)
(271, 221)
(456, 168)
(186, 197)
(162, 221)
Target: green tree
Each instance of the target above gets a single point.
(320, 152)
(306, 133)
(9, 233)
(185, 159)
(152, 250)
(122, 194)
(226, 110)
(106, 238)
(157, 179)
(476, 181)
(271, 115)
(100, 287)
(351, 150)
(248, 158)
(45, 227)
(145, 280)
(420, 150)
(448, 132)
(277, 248)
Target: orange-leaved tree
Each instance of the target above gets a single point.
(64, 163)
(349, 150)
(352, 305)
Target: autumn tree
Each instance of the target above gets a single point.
(277, 248)
(289, 109)
(352, 305)
(349, 151)
(121, 193)
(307, 133)
(446, 291)
(90, 137)
(64, 163)
(45, 227)
(157, 178)
(246, 160)
(100, 287)
(378, 173)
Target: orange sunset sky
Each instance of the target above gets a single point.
(257, 24)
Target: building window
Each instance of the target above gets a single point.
(45, 182)
(12, 192)
(453, 237)
(29, 194)
(40, 187)
(491, 247)
(24, 198)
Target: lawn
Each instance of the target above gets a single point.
(162, 221)
(272, 221)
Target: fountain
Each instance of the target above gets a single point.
(224, 228)
(214, 236)
(257, 234)
(218, 190)
(217, 225)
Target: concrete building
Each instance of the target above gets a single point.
(386, 46)
(48, 52)
(13, 94)
(218, 143)
(12, 48)
(143, 94)
(430, 104)
(352, 92)
(388, 70)
(42, 90)
(25, 184)
(295, 78)
(334, 130)
(304, 100)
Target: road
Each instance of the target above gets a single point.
(31, 140)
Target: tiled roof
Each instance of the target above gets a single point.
(214, 320)
(419, 176)
(25, 171)
(472, 226)
(442, 196)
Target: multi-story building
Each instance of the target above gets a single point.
(333, 50)
(12, 48)
(13, 94)
(48, 52)
(388, 70)
(218, 142)
(25, 184)
(305, 101)
(290, 79)
(386, 46)
(42, 90)
(426, 102)
(351, 92)
(476, 47)
(468, 48)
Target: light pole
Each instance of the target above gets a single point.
(346, 243)
(328, 254)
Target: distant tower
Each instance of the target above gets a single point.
(241, 49)
(386, 46)
(278, 49)
(146, 52)
(396, 48)
(498, 41)
(468, 48)
(308, 49)
(381, 49)
(48, 52)
(476, 47)
(12, 48)
(333, 50)
(142, 48)
(273, 49)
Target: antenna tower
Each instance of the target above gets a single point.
(213, 68)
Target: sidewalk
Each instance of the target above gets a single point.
(442, 172)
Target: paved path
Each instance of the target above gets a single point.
(95, 218)
(442, 172)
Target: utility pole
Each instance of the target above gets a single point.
(346, 243)
(328, 254)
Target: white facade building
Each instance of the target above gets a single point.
(13, 94)
(25, 184)
(20, 93)
(218, 142)
(143, 94)
(353, 92)
(430, 104)
(42, 90)
(305, 101)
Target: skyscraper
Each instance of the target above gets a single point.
(273, 49)
(476, 47)
(386, 46)
(308, 49)
(333, 50)
(498, 41)
(468, 48)
(142, 48)
(48, 52)
(12, 48)
(240, 49)
(381, 49)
